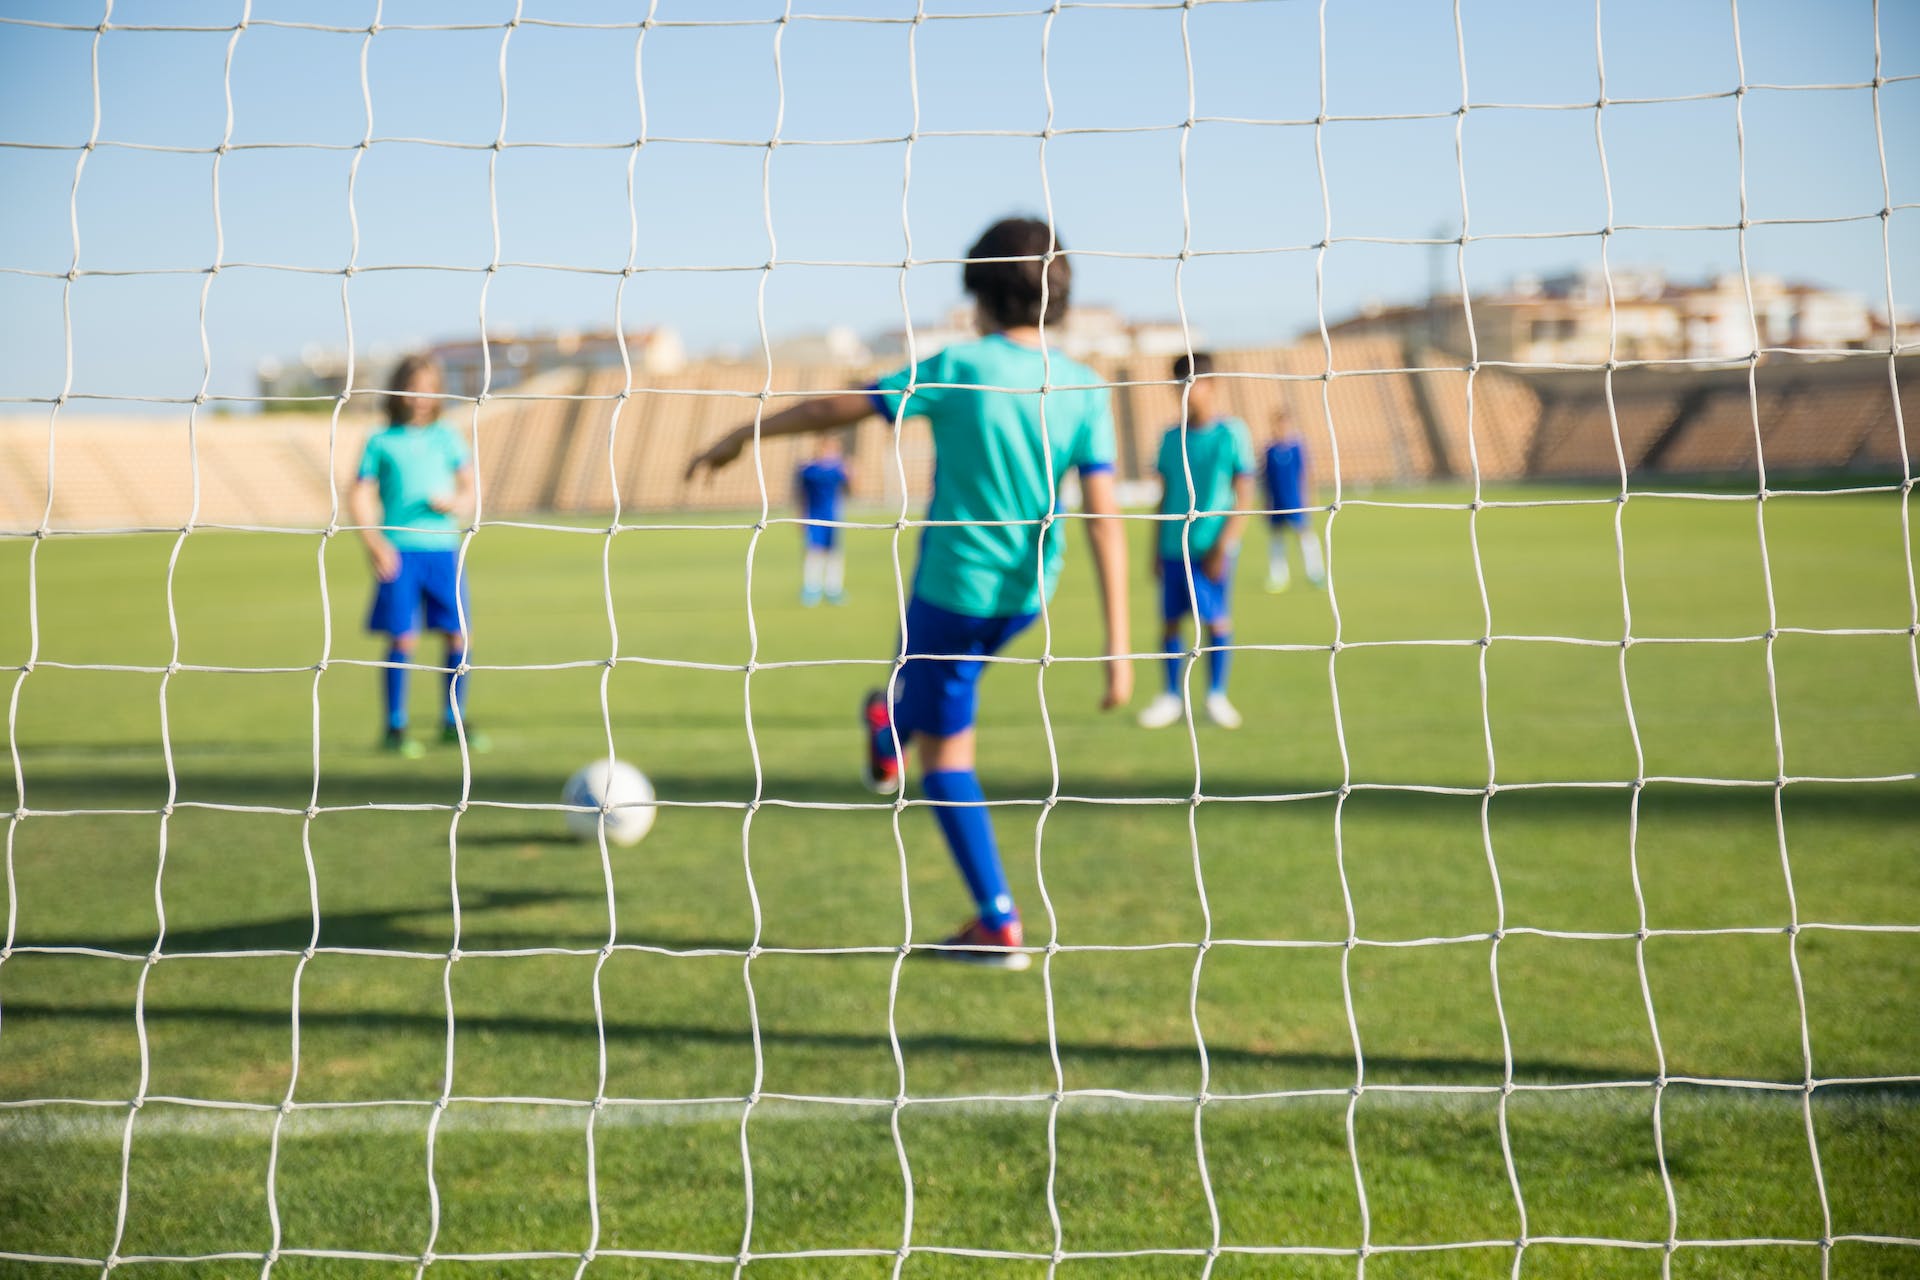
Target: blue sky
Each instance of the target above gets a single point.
(1810, 154)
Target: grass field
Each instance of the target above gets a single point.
(1380, 963)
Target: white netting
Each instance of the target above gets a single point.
(902, 522)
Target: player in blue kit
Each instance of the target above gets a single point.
(991, 557)
(414, 491)
(1289, 494)
(821, 482)
(1218, 453)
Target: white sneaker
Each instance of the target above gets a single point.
(1164, 710)
(1222, 712)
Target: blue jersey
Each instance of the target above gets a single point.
(820, 484)
(1286, 474)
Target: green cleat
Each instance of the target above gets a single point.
(399, 744)
(478, 743)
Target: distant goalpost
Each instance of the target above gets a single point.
(903, 520)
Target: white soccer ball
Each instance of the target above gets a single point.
(616, 784)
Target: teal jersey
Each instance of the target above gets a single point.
(411, 466)
(994, 462)
(1218, 453)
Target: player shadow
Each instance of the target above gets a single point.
(291, 788)
(426, 927)
(1086, 1057)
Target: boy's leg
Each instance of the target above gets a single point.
(813, 571)
(1277, 571)
(395, 614)
(936, 695)
(1310, 557)
(1215, 610)
(947, 775)
(456, 686)
(445, 606)
(1219, 656)
(1176, 604)
(393, 680)
(836, 575)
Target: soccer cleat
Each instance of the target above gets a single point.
(1222, 712)
(1276, 585)
(979, 944)
(478, 743)
(398, 743)
(836, 597)
(881, 772)
(809, 598)
(1162, 711)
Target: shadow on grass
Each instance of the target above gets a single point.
(427, 927)
(1435, 1068)
(1896, 801)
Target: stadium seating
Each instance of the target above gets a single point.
(561, 442)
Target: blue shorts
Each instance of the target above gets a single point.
(1288, 519)
(821, 537)
(428, 584)
(939, 695)
(1209, 594)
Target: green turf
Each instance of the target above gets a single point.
(1281, 859)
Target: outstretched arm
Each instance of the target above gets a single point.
(821, 413)
(1109, 542)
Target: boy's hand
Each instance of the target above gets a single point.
(720, 452)
(1119, 683)
(443, 502)
(386, 560)
(1214, 563)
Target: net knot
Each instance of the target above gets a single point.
(455, 955)
(312, 811)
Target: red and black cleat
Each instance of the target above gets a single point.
(881, 772)
(978, 943)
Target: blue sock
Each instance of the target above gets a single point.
(1174, 649)
(394, 679)
(1218, 660)
(456, 684)
(970, 835)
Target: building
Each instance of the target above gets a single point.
(1575, 319)
(503, 362)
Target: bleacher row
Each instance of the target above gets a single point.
(570, 441)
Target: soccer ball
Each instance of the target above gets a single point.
(614, 783)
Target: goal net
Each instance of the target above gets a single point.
(1521, 882)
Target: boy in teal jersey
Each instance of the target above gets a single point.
(413, 492)
(1218, 453)
(1002, 448)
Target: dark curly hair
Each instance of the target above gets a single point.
(402, 376)
(1013, 279)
